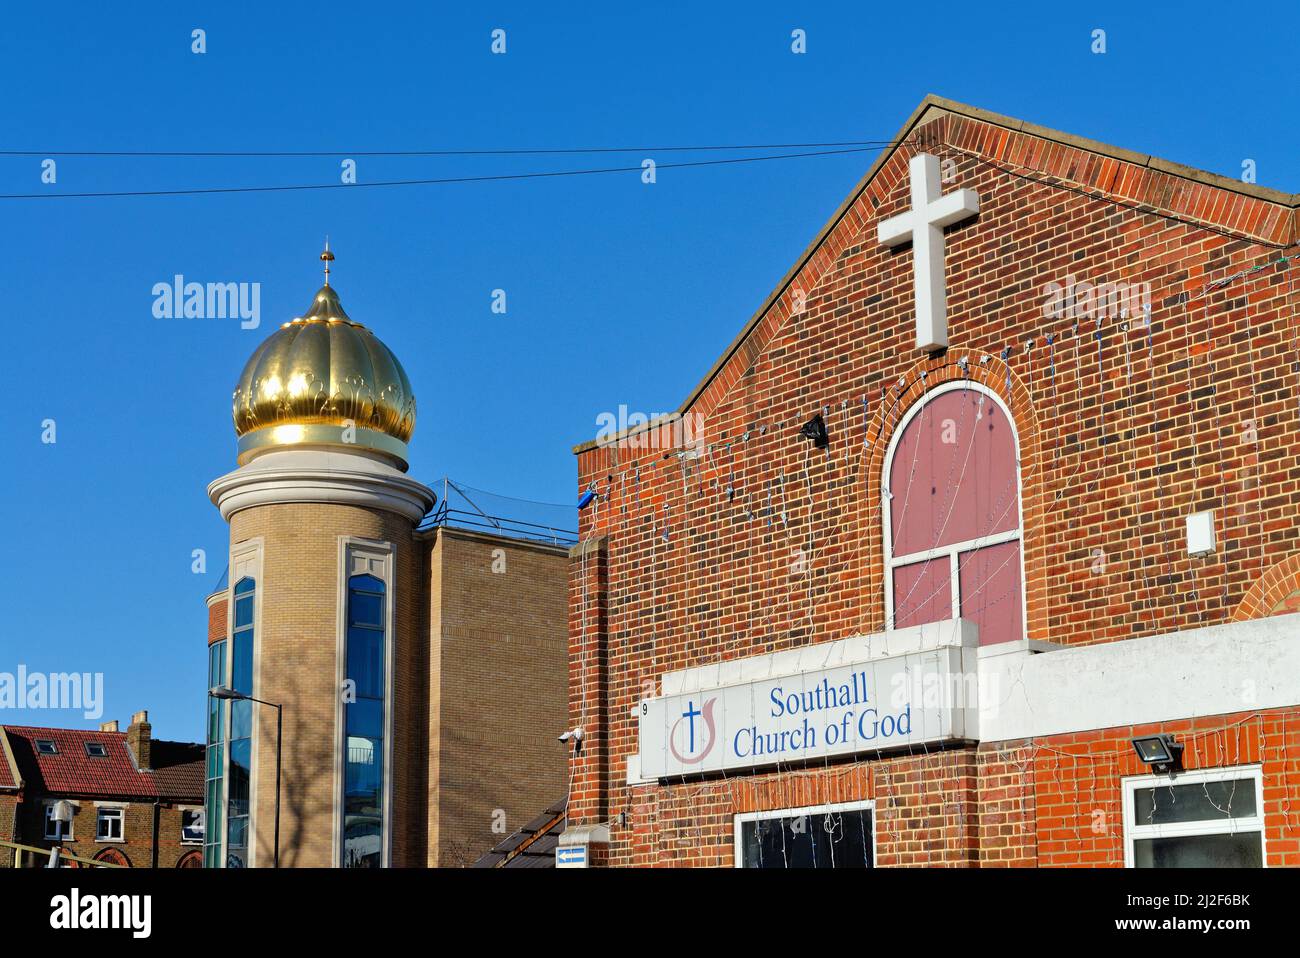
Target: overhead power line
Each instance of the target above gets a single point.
(428, 182)
(840, 148)
(513, 152)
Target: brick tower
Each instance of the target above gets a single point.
(326, 608)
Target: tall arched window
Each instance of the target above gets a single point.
(951, 515)
(240, 762)
(363, 786)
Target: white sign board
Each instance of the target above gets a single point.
(870, 706)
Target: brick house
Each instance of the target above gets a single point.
(980, 544)
(135, 801)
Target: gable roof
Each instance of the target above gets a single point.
(178, 772)
(1147, 184)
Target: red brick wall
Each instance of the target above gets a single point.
(1077, 777)
(1053, 801)
(218, 609)
(1112, 458)
(137, 829)
(8, 809)
(589, 681)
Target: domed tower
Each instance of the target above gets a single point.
(325, 616)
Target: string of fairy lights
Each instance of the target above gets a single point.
(725, 490)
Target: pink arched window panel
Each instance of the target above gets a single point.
(952, 516)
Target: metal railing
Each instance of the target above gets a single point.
(458, 509)
(53, 856)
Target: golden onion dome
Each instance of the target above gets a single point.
(323, 380)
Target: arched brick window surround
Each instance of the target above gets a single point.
(890, 410)
(1276, 592)
(113, 856)
(950, 514)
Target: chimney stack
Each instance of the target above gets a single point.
(110, 726)
(138, 738)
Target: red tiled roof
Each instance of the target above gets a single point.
(73, 772)
(179, 770)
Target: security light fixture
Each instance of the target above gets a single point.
(1161, 752)
(573, 735)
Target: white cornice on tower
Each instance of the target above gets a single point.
(309, 475)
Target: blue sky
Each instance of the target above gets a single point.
(617, 292)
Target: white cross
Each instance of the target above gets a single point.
(923, 224)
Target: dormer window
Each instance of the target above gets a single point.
(96, 750)
(45, 746)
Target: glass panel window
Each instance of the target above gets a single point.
(241, 719)
(363, 788)
(241, 665)
(1243, 850)
(216, 761)
(366, 718)
(1208, 818)
(108, 824)
(1207, 801)
(239, 736)
(366, 609)
(215, 713)
(827, 836)
(364, 766)
(56, 831)
(366, 661)
(213, 791)
(240, 762)
(243, 612)
(238, 803)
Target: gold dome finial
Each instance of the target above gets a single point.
(327, 257)
(322, 380)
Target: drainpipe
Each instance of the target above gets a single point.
(156, 813)
(13, 827)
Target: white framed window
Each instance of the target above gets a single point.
(110, 823)
(56, 831)
(951, 514)
(1209, 818)
(841, 835)
(192, 830)
(364, 726)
